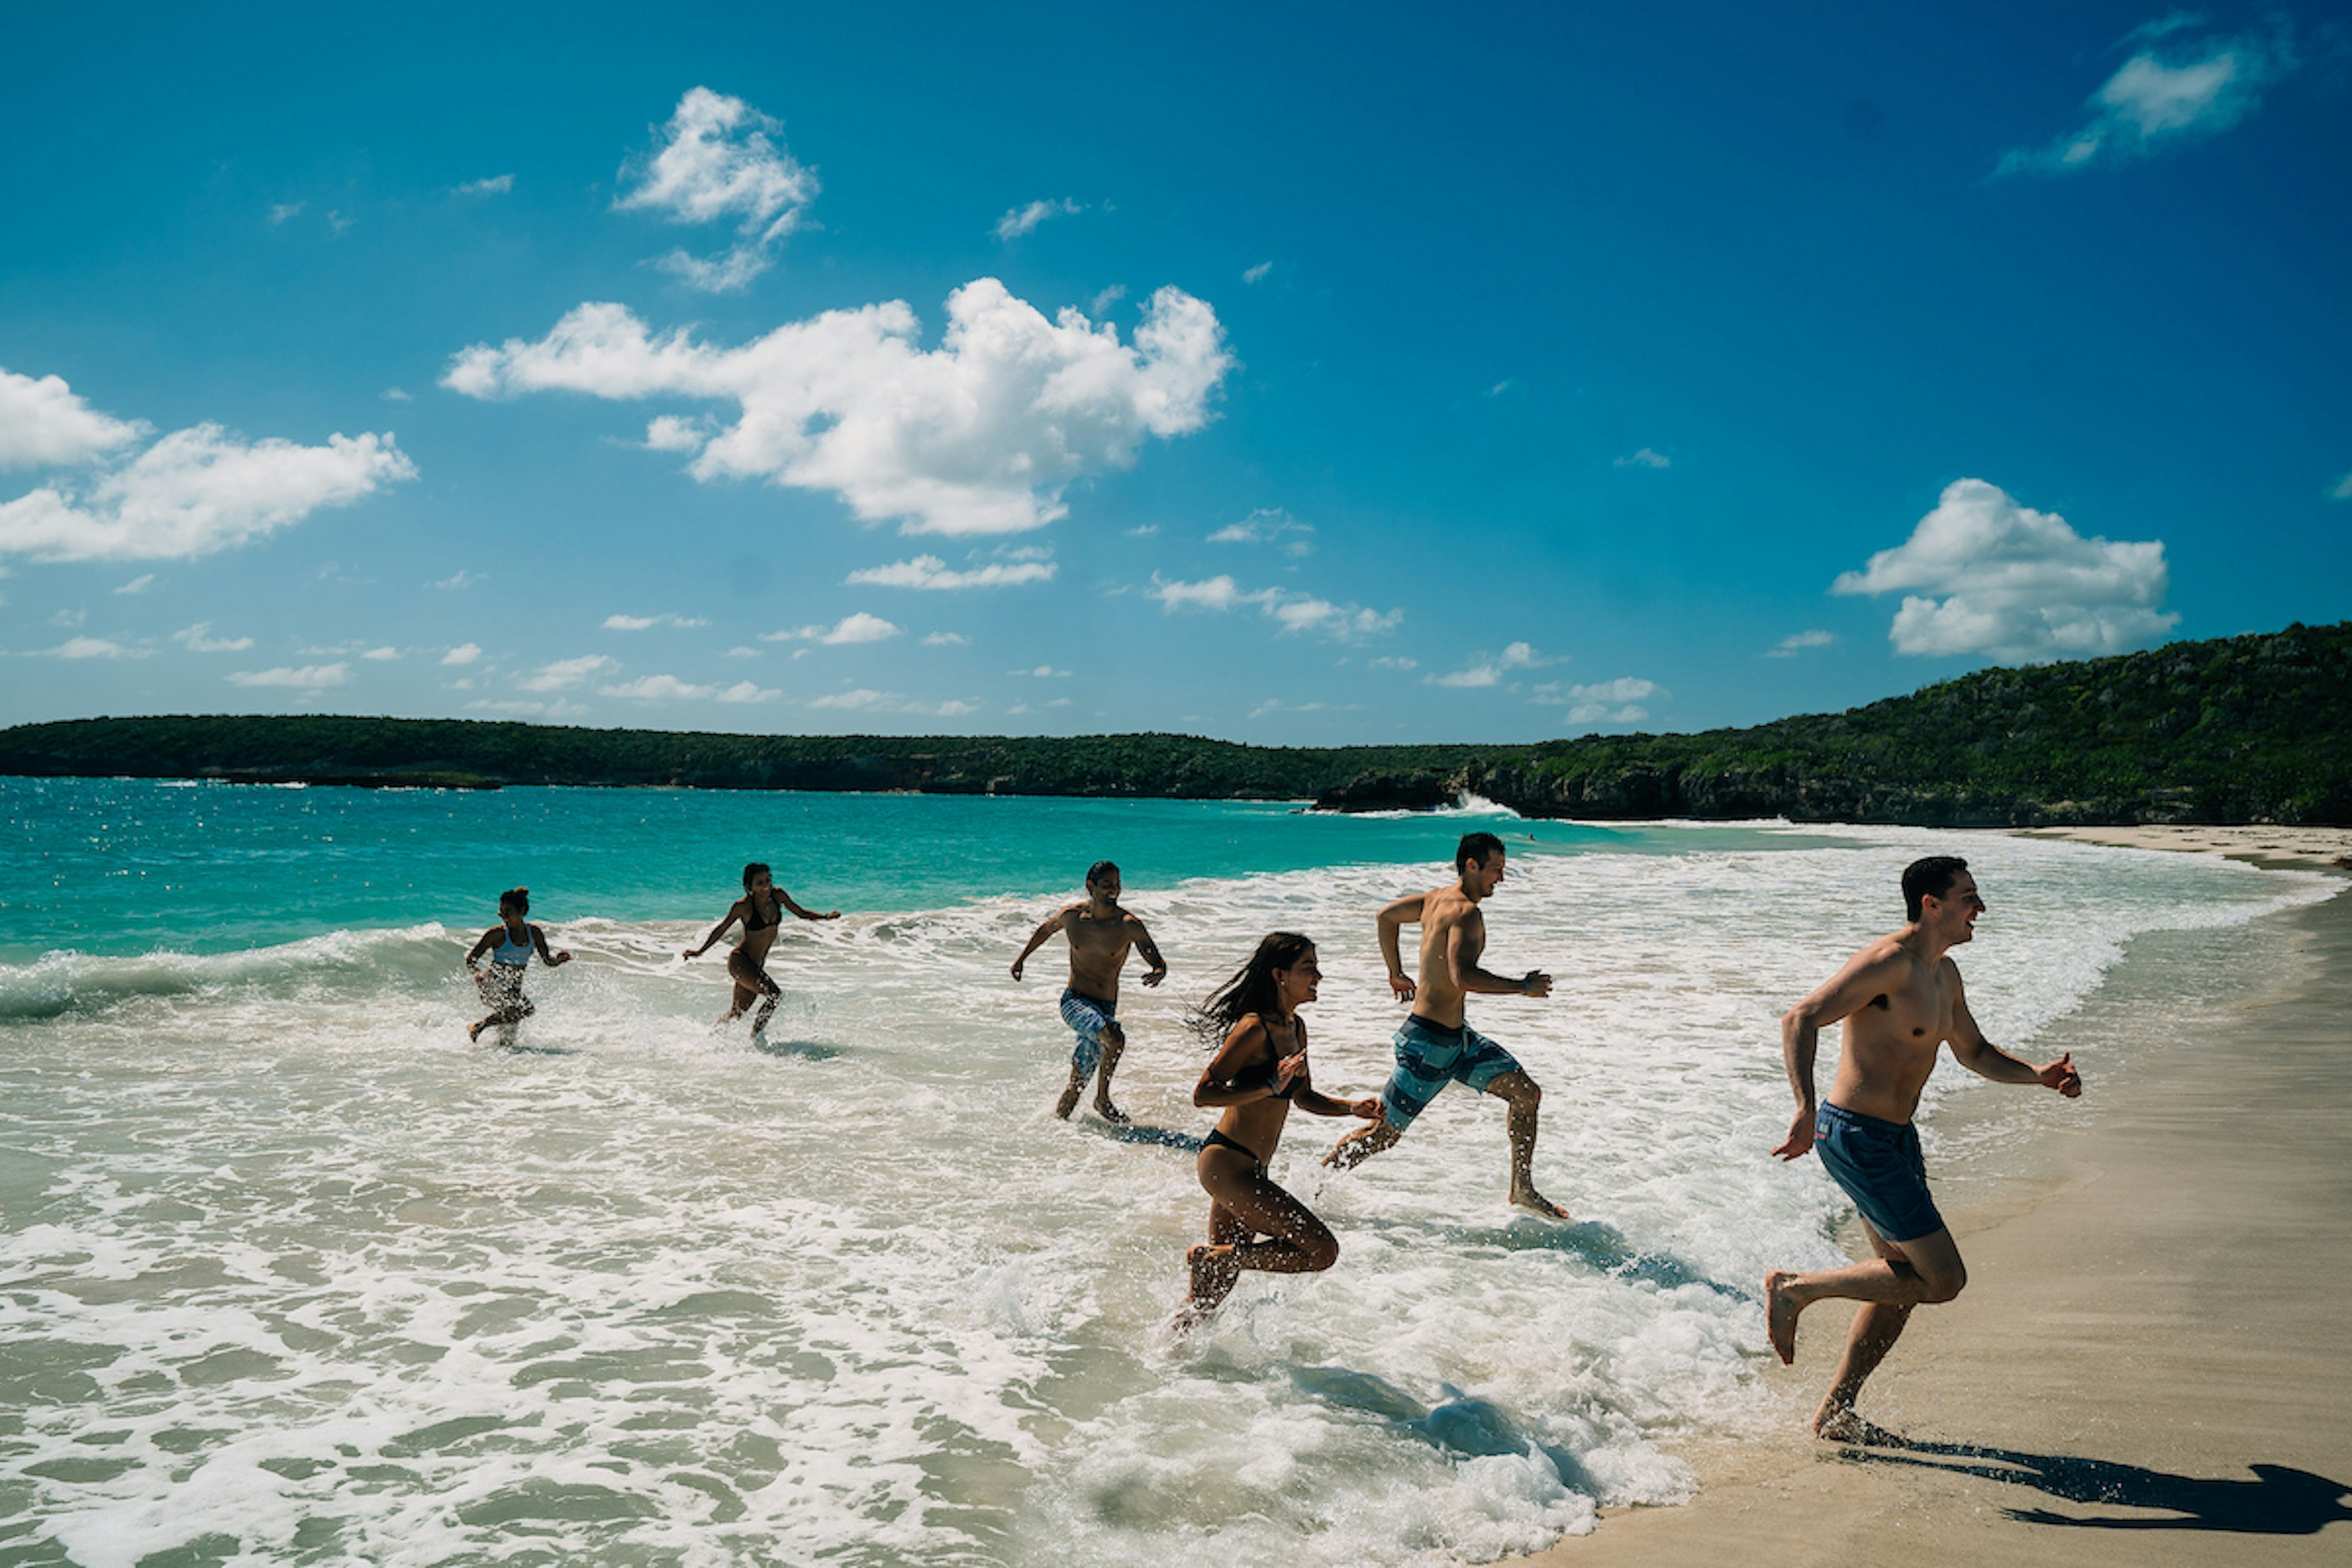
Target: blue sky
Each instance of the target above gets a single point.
(1295, 374)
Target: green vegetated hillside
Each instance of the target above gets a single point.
(2251, 729)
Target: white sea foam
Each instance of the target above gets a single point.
(292, 1267)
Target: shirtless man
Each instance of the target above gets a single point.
(1437, 1043)
(1100, 933)
(1900, 999)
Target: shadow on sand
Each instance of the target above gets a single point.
(2279, 1501)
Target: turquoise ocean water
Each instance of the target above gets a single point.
(290, 1273)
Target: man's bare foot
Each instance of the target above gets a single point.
(1356, 1148)
(1111, 1113)
(1780, 1315)
(1529, 1198)
(1841, 1424)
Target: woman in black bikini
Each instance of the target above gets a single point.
(1258, 1074)
(761, 910)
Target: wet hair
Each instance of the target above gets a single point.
(1253, 988)
(519, 897)
(756, 869)
(1100, 870)
(1479, 847)
(1929, 878)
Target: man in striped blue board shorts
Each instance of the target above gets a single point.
(1101, 935)
(1437, 1046)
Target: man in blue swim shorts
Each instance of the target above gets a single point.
(1901, 1001)
(1100, 934)
(1437, 1046)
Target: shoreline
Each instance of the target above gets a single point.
(2145, 1361)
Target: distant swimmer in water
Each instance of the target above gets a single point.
(509, 945)
(1258, 1074)
(761, 910)
(1437, 1045)
(1100, 933)
(1901, 1000)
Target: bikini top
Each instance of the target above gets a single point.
(751, 920)
(510, 951)
(1288, 1091)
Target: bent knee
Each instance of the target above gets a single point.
(1943, 1287)
(1321, 1252)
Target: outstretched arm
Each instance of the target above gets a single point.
(539, 940)
(1392, 921)
(1982, 1057)
(1464, 945)
(1038, 938)
(1866, 974)
(786, 900)
(1151, 951)
(734, 913)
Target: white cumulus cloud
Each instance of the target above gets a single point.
(855, 627)
(946, 639)
(566, 673)
(981, 434)
(930, 572)
(618, 623)
(1485, 671)
(1269, 525)
(306, 677)
(671, 689)
(199, 639)
(2180, 84)
(464, 653)
(496, 186)
(716, 161)
(44, 424)
(1291, 611)
(1644, 459)
(93, 647)
(1981, 574)
(138, 584)
(197, 491)
(1022, 220)
(1789, 646)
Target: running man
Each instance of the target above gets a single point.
(509, 944)
(1100, 933)
(1900, 999)
(1437, 1044)
(761, 910)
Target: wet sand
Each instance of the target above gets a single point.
(2148, 1366)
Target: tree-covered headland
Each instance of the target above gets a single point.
(2249, 729)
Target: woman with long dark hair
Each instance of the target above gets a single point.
(761, 909)
(1259, 1072)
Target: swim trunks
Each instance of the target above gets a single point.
(1428, 1057)
(1879, 1165)
(1088, 1017)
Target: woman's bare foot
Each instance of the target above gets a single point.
(1529, 1198)
(1781, 1309)
(1214, 1274)
(474, 1031)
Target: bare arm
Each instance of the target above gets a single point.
(1867, 973)
(539, 940)
(1982, 1057)
(490, 940)
(1151, 951)
(1244, 1050)
(1392, 921)
(1464, 943)
(1039, 937)
(734, 913)
(786, 900)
